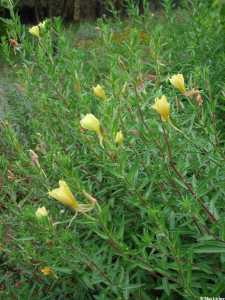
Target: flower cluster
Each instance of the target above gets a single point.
(89, 122)
(162, 105)
(36, 30)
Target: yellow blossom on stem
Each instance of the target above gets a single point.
(119, 138)
(99, 92)
(162, 106)
(41, 212)
(35, 31)
(178, 82)
(90, 122)
(64, 195)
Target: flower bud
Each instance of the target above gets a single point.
(99, 92)
(162, 107)
(35, 31)
(90, 122)
(41, 212)
(64, 195)
(119, 138)
(178, 82)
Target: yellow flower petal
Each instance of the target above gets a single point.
(178, 82)
(64, 195)
(162, 106)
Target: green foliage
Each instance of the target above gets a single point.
(158, 230)
(10, 27)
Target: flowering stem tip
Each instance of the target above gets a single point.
(178, 82)
(90, 122)
(64, 195)
(162, 106)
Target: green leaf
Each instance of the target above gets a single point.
(63, 270)
(209, 247)
(6, 21)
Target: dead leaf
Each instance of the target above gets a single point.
(196, 95)
(10, 175)
(34, 158)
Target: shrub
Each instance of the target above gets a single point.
(157, 229)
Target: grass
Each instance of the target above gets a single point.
(157, 230)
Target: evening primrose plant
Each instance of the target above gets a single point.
(119, 199)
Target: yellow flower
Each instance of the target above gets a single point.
(162, 106)
(47, 271)
(119, 138)
(64, 195)
(35, 31)
(90, 122)
(41, 212)
(178, 82)
(99, 92)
